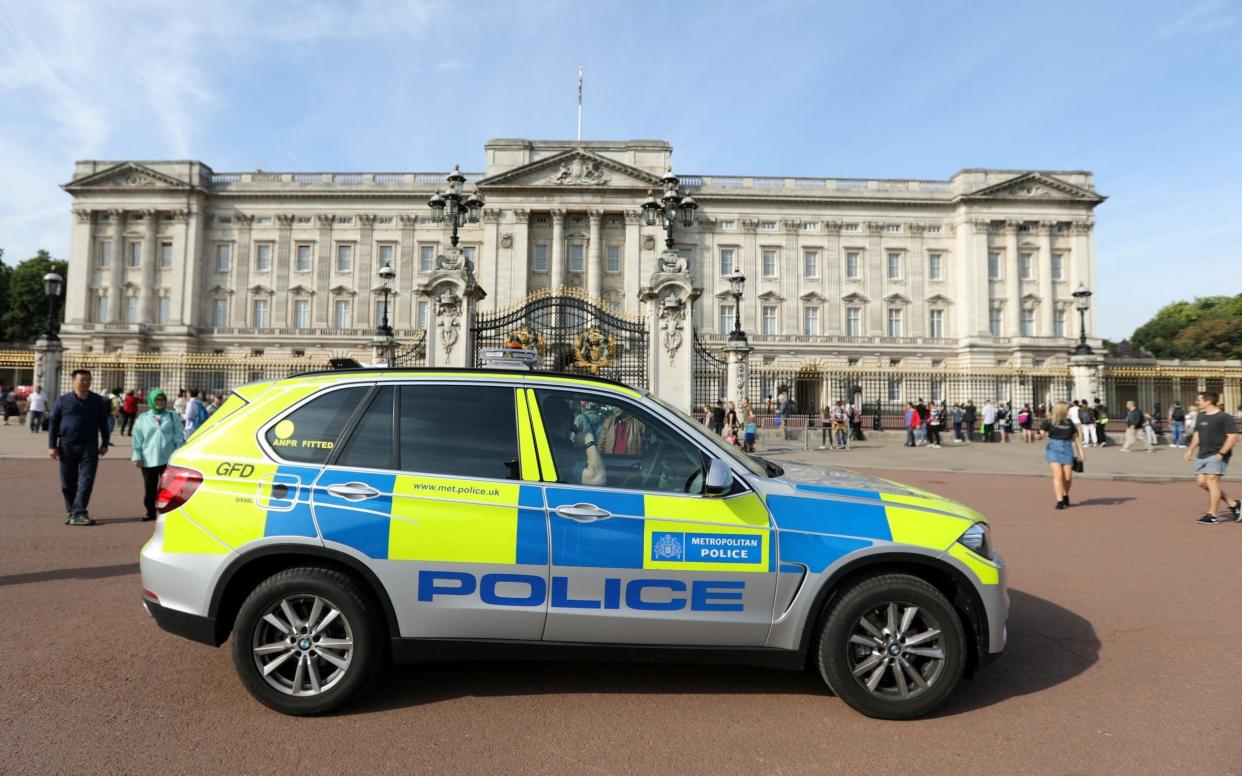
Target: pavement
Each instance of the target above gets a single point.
(1122, 659)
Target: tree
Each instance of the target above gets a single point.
(26, 315)
(1209, 327)
(5, 272)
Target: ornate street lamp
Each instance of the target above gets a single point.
(737, 282)
(53, 284)
(454, 206)
(670, 208)
(386, 274)
(1082, 302)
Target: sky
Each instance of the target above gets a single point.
(1147, 95)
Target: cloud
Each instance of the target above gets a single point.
(1206, 17)
(448, 65)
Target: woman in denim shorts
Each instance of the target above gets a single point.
(1063, 447)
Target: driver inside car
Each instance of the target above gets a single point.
(574, 446)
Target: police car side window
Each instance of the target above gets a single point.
(459, 430)
(309, 433)
(370, 443)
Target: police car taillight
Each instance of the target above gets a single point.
(176, 486)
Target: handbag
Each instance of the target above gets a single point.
(1077, 465)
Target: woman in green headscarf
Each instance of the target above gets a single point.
(156, 435)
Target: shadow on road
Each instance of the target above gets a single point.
(1048, 645)
(1102, 502)
(85, 572)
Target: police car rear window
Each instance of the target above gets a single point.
(309, 433)
(462, 430)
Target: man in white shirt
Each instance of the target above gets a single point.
(989, 422)
(36, 407)
(1074, 418)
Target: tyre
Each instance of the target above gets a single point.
(307, 641)
(892, 647)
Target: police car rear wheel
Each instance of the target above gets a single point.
(307, 641)
(892, 647)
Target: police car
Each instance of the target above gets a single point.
(333, 521)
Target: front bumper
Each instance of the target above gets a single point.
(996, 604)
(191, 626)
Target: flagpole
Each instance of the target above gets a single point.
(579, 103)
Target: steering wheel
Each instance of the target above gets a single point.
(655, 456)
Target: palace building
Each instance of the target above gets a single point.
(172, 256)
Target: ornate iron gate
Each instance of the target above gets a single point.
(571, 332)
(414, 354)
(710, 375)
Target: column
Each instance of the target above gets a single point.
(364, 275)
(832, 269)
(81, 265)
(631, 269)
(147, 292)
(791, 279)
(873, 282)
(558, 250)
(488, 264)
(916, 281)
(1013, 293)
(405, 304)
(192, 284)
(1047, 298)
(280, 284)
(321, 315)
(239, 272)
(749, 262)
(595, 257)
(519, 262)
(116, 274)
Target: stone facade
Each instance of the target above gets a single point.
(977, 269)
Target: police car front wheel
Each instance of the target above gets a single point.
(307, 640)
(892, 647)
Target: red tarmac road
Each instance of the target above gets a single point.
(1124, 657)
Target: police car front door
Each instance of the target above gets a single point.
(639, 556)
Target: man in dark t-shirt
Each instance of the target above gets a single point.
(718, 417)
(1216, 432)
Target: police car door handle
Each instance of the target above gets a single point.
(584, 513)
(353, 491)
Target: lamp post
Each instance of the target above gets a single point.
(53, 284)
(671, 208)
(386, 274)
(1082, 302)
(737, 348)
(454, 206)
(737, 282)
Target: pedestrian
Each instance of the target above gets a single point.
(36, 408)
(913, 422)
(1063, 448)
(157, 433)
(989, 421)
(113, 398)
(935, 423)
(1100, 413)
(856, 423)
(969, 418)
(1151, 427)
(1003, 422)
(129, 411)
(1075, 418)
(733, 425)
(179, 403)
(748, 441)
(1177, 423)
(1025, 423)
(7, 404)
(79, 420)
(1216, 432)
(1086, 416)
(1192, 418)
(957, 424)
(840, 425)
(196, 413)
(718, 418)
(1134, 427)
(921, 409)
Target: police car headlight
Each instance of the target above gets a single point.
(977, 539)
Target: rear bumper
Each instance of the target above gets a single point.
(191, 626)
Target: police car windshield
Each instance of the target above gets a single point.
(714, 441)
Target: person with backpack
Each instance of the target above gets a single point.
(1100, 413)
(1025, 423)
(1086, 417)
(957, 424)
(970, 416)
(1134, 427)
(195, 413)
(1177, 423)
(935, 423)
(914, 422)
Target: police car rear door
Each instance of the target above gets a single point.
(645, 558)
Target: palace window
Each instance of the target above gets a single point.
(810, 320)
(224, 255)
(849, 227)
(894, 266)
(892, 228)
(259, 317)
(994, 263)
(612, 259)
(161, 315)
(219, 311)
(341, 314)
(769, 319)
(851, 265)
(994, 322)
(769, 262)
(935, 266)
(539, 257)
(301, 313)
(577, 257)
(810, 264)
(426, 258)
(386, 252)
(767, 226)
(131, 309)
(894, 321)
(423, 307)
(470, 253)
(344, 257)
(1025, 260)
(133, 254)
(303, 261)
(1058, 323)
(1058, 263)
(262, 257)
(103, 253)
(166, 254)
(101, 309)
(936, 323)
(853, 322)
(727, 314)
(727, 265)
(1028, 323)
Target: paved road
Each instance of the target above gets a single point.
(1123, 659)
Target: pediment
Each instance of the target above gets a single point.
(130, 176)
(259, 288)
(896, 299)
(813, 297)
(1035, 185)
(341, 291)
(301, 290)
(855, 297)
(379, 290)
(939, 299)
(772, 296)
(219, 289)
(574, 168)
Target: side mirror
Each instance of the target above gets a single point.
(719, 479)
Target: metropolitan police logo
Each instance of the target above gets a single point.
(667, 547)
